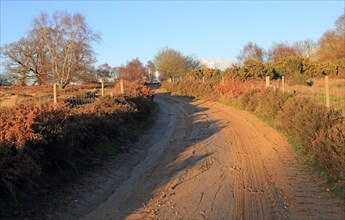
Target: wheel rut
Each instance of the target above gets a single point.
(204, 160)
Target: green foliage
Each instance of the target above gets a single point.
(328, 68)
(253, 69)
(212, 73)
(250, 100)
(293, 65)
(172, 63)
(310, 69)
(271, 103)
(207, 73)
(298, 80)
(233, 71)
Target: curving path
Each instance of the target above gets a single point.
(204, 160)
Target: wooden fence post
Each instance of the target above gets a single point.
(55, 93)
(190, 78)
(327, 91)
(203, 79)
(267, 81)
(283, 84)
(122, 88)
(102, 88)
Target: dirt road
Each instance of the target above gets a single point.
(203, 160)
(210, 161)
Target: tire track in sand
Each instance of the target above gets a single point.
(220, 163)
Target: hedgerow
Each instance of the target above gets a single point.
(37, 139)
(320, 131)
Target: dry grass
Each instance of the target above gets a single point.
(316, 91)
(11, 96)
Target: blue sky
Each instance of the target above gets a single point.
(210, 30)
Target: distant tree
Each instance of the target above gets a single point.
(332, 43)
(105, 72)
(306, 49)
(250, 51)
(280, 51)
(88, 75)
(151, 71)
(172, 63)
(193, 62)
(5, 80)
(340, 24)
(134, 70)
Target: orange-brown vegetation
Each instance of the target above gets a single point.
(134, 88)
(35, 139)
(319, 131)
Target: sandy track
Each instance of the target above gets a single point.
(209, 161)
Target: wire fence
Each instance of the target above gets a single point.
(78, 95)
(329, 92)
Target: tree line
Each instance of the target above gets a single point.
(57, 49)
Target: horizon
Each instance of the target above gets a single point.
(212, 31)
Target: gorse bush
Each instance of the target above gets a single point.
(192, 88)
(320, 131)
(250, 100)
(329, 146)
(37, 139)
(271, 103)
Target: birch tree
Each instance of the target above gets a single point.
(67, 40)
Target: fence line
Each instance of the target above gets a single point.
(327, 91)
(75, 95)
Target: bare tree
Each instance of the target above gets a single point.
(26, 60)
(280, 51)
(306, 48)
(67, 39)
(106, 72)
(340, 24)
(193, 62)
(250, 51)
(55, 50)
(332, 43)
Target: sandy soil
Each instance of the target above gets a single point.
(203, 160)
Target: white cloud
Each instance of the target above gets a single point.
(221, 64)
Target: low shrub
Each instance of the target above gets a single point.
(250, 100)
(328, 146)
(271, 103)
(319, 131)
(134, 89)
(37, 139)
